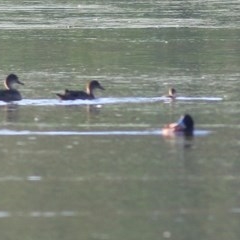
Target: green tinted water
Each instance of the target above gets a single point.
(103, 171)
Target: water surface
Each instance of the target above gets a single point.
(102, 169)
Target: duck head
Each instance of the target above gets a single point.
(94, 85)
(172, 92)
(11, 80)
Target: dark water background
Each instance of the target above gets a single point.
(102, 169)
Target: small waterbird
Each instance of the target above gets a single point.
(172, 93)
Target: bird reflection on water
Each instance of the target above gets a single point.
(11, 112)
(184, 139)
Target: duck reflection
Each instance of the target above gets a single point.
(90, 109)
(11, 112)
(184, 140)
(84, 113)
(93, 109)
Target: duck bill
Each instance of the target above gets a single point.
(19, 82)
(101, 87)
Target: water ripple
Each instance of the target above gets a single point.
(102, 101)
(7, 132)
(72, 213)
(157, 14)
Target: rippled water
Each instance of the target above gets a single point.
(121, 14)
(104, 101)
(101, 169)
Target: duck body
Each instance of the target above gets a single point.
(88, 95)
(74, 95)
(10, 93)
(185, 125)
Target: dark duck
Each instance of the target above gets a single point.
(10, 93)
(185, 125)
(88, 95)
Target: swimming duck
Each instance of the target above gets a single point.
(10, 93)
(185, 124)
(172, 93)
(88, 95)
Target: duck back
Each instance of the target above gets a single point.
(73, 95)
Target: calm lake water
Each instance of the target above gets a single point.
(101, 169)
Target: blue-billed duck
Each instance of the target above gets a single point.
(88, 95)
(10, 93)
(185, 124)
